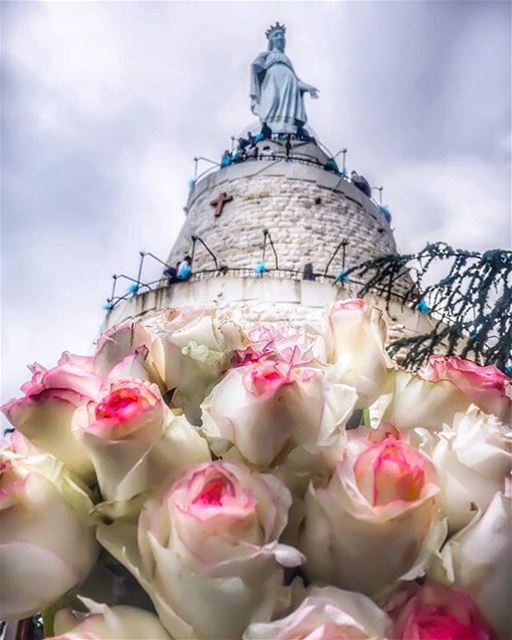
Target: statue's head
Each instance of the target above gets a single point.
(276, 37)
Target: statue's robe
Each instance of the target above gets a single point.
(277, 92)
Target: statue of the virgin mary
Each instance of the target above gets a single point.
(277, 94)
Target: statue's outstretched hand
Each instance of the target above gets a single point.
(308, 88)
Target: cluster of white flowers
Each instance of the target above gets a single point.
(273, 482)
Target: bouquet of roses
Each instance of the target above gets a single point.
(202, 477)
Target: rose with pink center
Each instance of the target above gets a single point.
(214, 534)
(388, 471)
(266, 409)
(265, 378)
(128, 406)
(434, 611)
(129, 434)
(487, 387)
(380, 502)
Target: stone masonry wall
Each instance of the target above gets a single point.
(306, 222)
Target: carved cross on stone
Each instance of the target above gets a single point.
(219, 203)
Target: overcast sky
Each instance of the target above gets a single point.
(104, 105)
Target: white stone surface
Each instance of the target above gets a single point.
(306, 209)
(263, 299)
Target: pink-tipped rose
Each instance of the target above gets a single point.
(134, 440)
(434, 612)
(379, 504)
(267, 408)
(487, 387)
(44, 415)
(208, 552)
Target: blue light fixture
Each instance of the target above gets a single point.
(133, 288)
(260, 268)
(342, 276)
(423, 306)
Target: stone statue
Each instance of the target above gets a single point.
(277, 94)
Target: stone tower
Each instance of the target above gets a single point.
(272, 229)
(306, 208)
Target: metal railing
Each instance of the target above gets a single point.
(164, 282)
(280, 156)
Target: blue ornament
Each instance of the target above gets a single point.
(260, 268)
(133, 288)
(423, 306)
(108, 306)
(342, 276)
(385, 212)
(191, 184)
(184, 272)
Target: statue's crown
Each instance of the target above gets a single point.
(275, 27)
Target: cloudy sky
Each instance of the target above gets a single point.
(104, 105)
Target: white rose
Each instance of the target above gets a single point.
(376, 519)
(207, 551)
(130, 350)
(326, 614)
(417, 403)
(473, 458)
(355, 338)
(267, 408)
(107, 623)
(198, 345)
(479, 559)
(47, 545)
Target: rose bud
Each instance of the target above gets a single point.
(326, 614)
(267, 408)
(432, 611)
(107, 623)
(355, 338)
(379, 504)
(125, 432)
(45, 413)
(473, 458)
(47, 545)
(207, 552)
(479, 559)
(487, 387)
